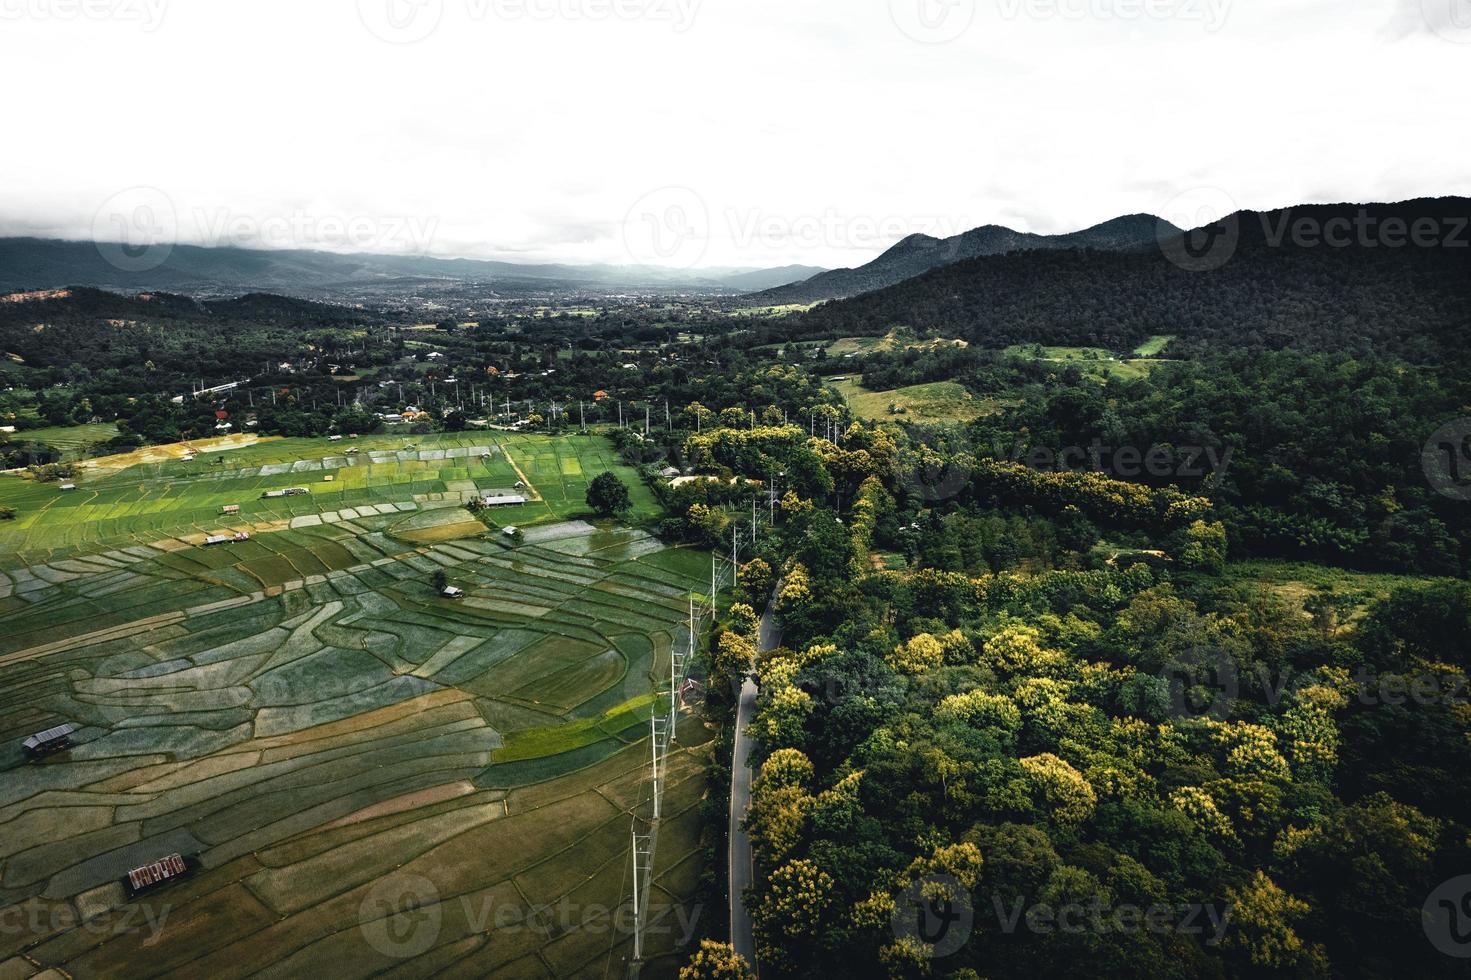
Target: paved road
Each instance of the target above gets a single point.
(742, 866)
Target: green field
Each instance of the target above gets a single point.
(1154, 346)
(70, 439)
(1294, 582)
(893, 340)
(1092, 360)
(784, 309)
(304, 714)
(130, 502)
(941, 401)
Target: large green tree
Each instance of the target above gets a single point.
(608, 496)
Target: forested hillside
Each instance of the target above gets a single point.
(1272, 291)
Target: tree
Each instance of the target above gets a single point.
(1264, 921)
(743, 619)
(608, 496)
(733, 658)
(716, 961)
(1063, 790)
(756, 578)
(920, 654)
(440, 580)
(791, 911)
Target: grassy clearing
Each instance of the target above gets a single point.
(941, 401)
(1154, 346)
(1095, 361)
(1296, 582)
(898, 339)
(784, 309)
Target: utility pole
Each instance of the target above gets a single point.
(643, 873)
(659, 728)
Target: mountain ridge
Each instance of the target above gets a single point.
(1271, 286)
(919, 253)
(44, 263)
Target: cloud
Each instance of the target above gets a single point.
(812, 132)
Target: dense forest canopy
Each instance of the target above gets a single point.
(1277, 279)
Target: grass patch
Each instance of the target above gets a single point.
(70, 439)
(897, 339)
(939, 401)
(1095, 361)
(537, 743)
(1295, 582)
(1154, 346)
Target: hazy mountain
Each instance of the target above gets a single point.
(1327, 277)
(770, 278)
(918, 254)
(33, 263)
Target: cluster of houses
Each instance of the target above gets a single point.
(410, 414)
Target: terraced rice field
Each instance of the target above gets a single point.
(372, 779)
(71, 440)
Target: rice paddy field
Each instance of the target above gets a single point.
(367, 778)
(129, 500)
(72, 439)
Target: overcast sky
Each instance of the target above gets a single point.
(711, 132)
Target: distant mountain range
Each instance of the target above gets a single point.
(1327, 277)
(35, 263)
(918, 254)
